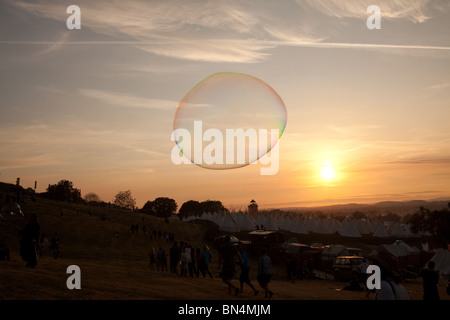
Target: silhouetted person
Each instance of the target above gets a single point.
(174, 255)
(54, 245)
(245, 270)
(430, 282)
(197, 257)
(30, 238)
(152, 256)
(159, 259)
(164, 261)
(291, 266)
(265, 273)
(227, 252)
(205, 260)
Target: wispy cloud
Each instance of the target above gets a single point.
(440, 86)
(417, 11)
(72, 144)
(127, 100)
(194, 30)
(234, 31)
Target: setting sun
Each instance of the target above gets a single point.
(327, 173)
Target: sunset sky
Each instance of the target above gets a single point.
(96, 106)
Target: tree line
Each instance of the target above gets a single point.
(162, 207)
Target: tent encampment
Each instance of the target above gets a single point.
(442, 261)
(351, 230)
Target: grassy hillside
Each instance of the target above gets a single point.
(117, 267)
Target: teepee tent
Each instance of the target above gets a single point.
(442, 261)
(298, 226)
(261, 220)
(396, 230)
(271, 223)
(363, 227)
(284, 223)
(381, 231)
(228, 224)
(323, 226)
(310, 224)
(336, 226)
(351, 230)
(407, 230)
(247, 223)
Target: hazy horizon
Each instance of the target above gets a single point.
(96, 106)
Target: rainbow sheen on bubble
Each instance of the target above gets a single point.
(11, 211)
(230, 101)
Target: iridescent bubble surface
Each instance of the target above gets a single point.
(224, 103)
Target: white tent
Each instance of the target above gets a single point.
(217, 218)
(363, 227)
(336, 226)
(381, 231)
(284, 223)
(247, 223)
(351, 230)
(400, 249)
(298, 227)
(396, 230)
(442, 261)
(323, 226)
(371, 225)
(310, 224)
(260, 220)
(228, 224)
(407, 230)
(271, 223)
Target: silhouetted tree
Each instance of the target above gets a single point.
(190, 208)
(359, 215)
(148, 208)
(213, 206)
(164, 207)
(161, 207)
(436, 222)
(391, 217)
(92, 197)
(124, 199)
(63, 191)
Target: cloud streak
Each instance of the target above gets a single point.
(128, 100)
(194, 30)
(232, 32)
(417, 11)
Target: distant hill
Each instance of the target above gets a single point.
(398, 207)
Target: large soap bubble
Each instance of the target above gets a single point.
(11, 211)
(228, 120)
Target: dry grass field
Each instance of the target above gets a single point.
(117, 268)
